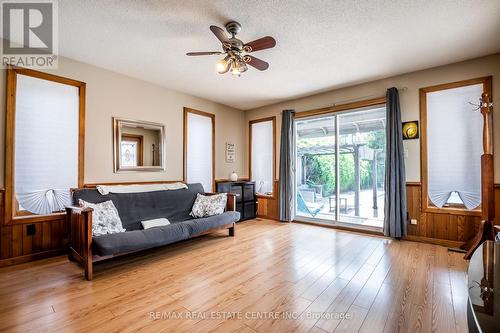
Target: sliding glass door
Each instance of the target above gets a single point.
(341, 167)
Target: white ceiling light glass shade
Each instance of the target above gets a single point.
(454, 145)
(223, 65)
(199, 151)
(46, 144)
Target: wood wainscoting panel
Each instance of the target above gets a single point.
(268, 207)
(439, 228)
(16, 246)
(497, 204)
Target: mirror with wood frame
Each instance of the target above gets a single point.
(138, 145)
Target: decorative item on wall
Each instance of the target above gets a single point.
(230, 152)
(410, 130)
(233, 177)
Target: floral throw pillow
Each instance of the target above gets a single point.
(209, 205)
(105, 218)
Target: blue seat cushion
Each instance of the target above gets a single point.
(139, 239)
(201, 225)
(136, 240)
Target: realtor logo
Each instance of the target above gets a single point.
(29, 33)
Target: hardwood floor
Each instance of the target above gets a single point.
(271, 277)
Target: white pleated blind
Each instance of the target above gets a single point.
(262, 156)
(46, 144)
(199, 150)
(454, 146)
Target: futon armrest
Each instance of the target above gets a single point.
(78, 210)
(80, 236)
(231, 200)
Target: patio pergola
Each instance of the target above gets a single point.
(351, 130)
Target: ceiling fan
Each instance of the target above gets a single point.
(236, 59)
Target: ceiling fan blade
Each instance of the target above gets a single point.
(261, 65)
(203, 53)
(219, 33)
(260, 44)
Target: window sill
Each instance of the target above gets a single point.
(452, 211)
(37, 218)
(265, 196)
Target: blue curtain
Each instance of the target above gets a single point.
(287, 167)
(395, 219)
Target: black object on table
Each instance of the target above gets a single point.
(245, 197)
(483, 279)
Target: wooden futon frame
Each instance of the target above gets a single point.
(80, 235)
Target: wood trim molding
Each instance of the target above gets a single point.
(250, 123)
(32, 257)
(344, 228)
(12, 72)
(426, 206)
(93, 185)
(486, 80)
(342, 107)
(184, 150)
(222, 180)
(437, 241)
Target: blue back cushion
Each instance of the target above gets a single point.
(133, 208)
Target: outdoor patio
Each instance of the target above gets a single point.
(356, 142)
(368, 216)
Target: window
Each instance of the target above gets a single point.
(45, 137)
(131, 150)
(452, 144)
(199, 148)
(263, 155)
(340, 159)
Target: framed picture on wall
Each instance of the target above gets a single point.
(410, 130)
(230, 152)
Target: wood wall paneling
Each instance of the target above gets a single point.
(438, 228)
(444, 228)
(268, 207)
(16, 246)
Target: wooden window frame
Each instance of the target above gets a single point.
(427, 206)
(187, 111)
(140, 148)
(250, 123)
(335, 110)
(11, 215)
(342, 107)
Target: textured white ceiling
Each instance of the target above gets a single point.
(321, 45)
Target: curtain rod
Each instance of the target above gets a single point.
(345, 101)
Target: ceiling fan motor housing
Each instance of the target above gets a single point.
(233, 27)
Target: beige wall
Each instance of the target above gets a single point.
(110, 94)
(409, 100)
(114, 95)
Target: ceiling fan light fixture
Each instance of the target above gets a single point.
(223, 65)
(238, 67)
(236, 60)
(243, 67)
